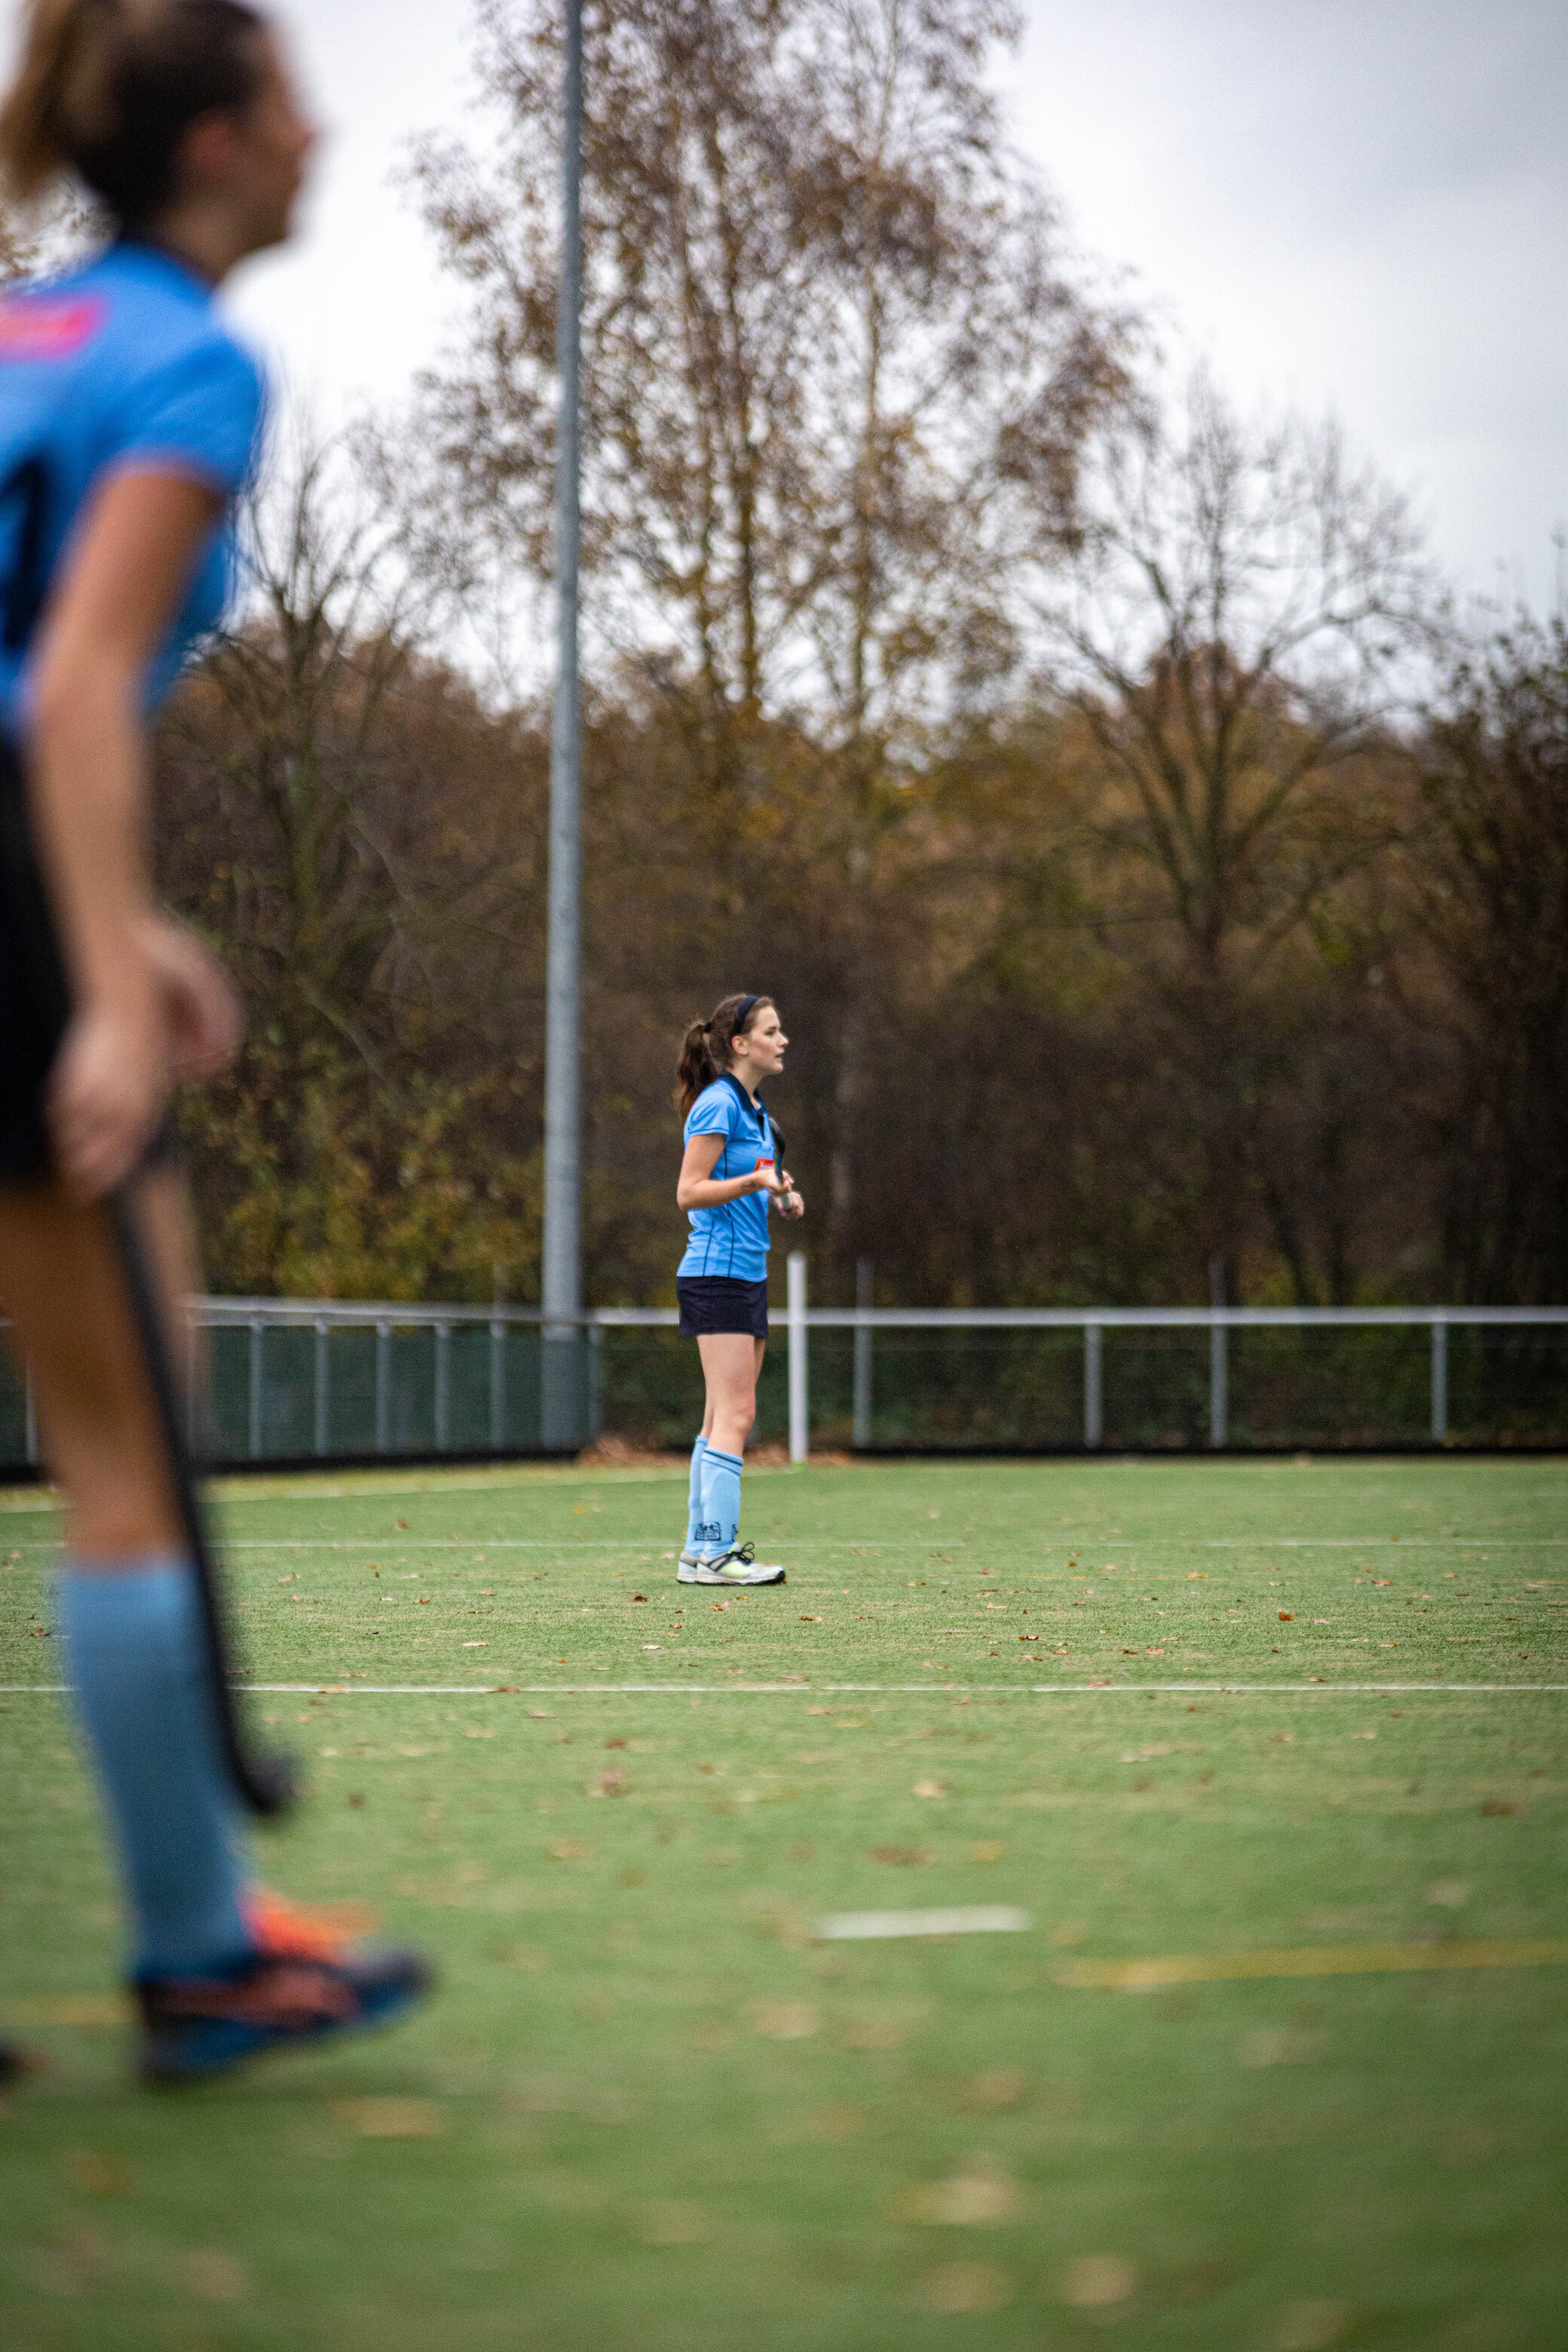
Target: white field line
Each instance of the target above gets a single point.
(960, 1919)
(822, 1690)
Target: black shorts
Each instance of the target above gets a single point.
(34, 1002)
(721, 1302)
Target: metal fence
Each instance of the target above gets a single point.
(318, 1380)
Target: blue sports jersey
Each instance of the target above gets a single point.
(733, 1239)
(120, 367)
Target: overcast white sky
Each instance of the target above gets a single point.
(1355, 203)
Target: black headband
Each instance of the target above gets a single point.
(748, 1006)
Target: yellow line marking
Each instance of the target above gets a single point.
(69, 2008)
(1312, 1960)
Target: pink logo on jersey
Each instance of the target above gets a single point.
(48, 326)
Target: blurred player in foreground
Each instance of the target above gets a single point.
(731, 1170)
(129, 421)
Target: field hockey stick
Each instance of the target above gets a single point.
(266, 1780)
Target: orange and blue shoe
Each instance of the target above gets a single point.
(304, 1984)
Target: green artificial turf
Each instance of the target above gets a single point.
(651, 2112)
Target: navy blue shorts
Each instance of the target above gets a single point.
(721, 1302)
(34, 1003)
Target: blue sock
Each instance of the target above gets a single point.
(694, 1498)
(720, 1524)
(139, 1663)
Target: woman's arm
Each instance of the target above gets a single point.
(87, 778)
(698, 1188)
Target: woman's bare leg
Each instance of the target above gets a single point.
(730, 1365)
(64, 1288)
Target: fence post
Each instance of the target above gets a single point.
(799, 1408)
(1439, 1382)
(596, 1381)
(862, 1357)
(194, 1431)
(258, 1341)
(32, 1414)
(1093, 1389)
(324, 1394)
(1219, 1380)
(442, 1387)
(384, 1388)
(498, 1386)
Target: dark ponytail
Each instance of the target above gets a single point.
(705, 1050)
(108, 88)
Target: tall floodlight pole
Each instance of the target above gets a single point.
(561, 1287)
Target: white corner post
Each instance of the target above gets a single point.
(560, 1385)
(799, 1395)
(1439, 1382)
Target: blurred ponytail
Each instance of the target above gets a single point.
(107, 88)
(705, 1051)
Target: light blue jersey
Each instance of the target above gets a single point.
(122, 366)
(731, 1240)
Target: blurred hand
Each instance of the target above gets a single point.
(793, 1204)
(106, 1095)
(204, 1021)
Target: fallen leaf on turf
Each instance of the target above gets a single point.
(786, 2020)
(958, 2287)
(476, 1645)
(874, 2033)
(968, 2200)
(609, 1783)
(988, 1850)
(672, 2222)
(1285, 1615)
(900, 1853)
(839, 2122)
(1310, 2326)
(569, 1850)
(617, 1742)
(1449, 1894)
(1282, 2045)
(1004, 2087)
(216, 2278)
(387, 2118)
(1099, 2282)
(99, 2176)
(931, 1788)
(1498, 1809)
(811, 1621)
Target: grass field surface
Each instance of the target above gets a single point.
(1270, 1756)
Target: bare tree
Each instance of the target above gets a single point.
(1489, 876)
(821, 301)
(1237, 621)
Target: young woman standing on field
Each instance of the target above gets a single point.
(730, 1176)
(129, 420)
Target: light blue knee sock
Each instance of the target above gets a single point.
(139, 1663)
(719, 1525)
(694, 1498)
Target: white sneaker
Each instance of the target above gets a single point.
(736, 1566)
(687, 1572)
